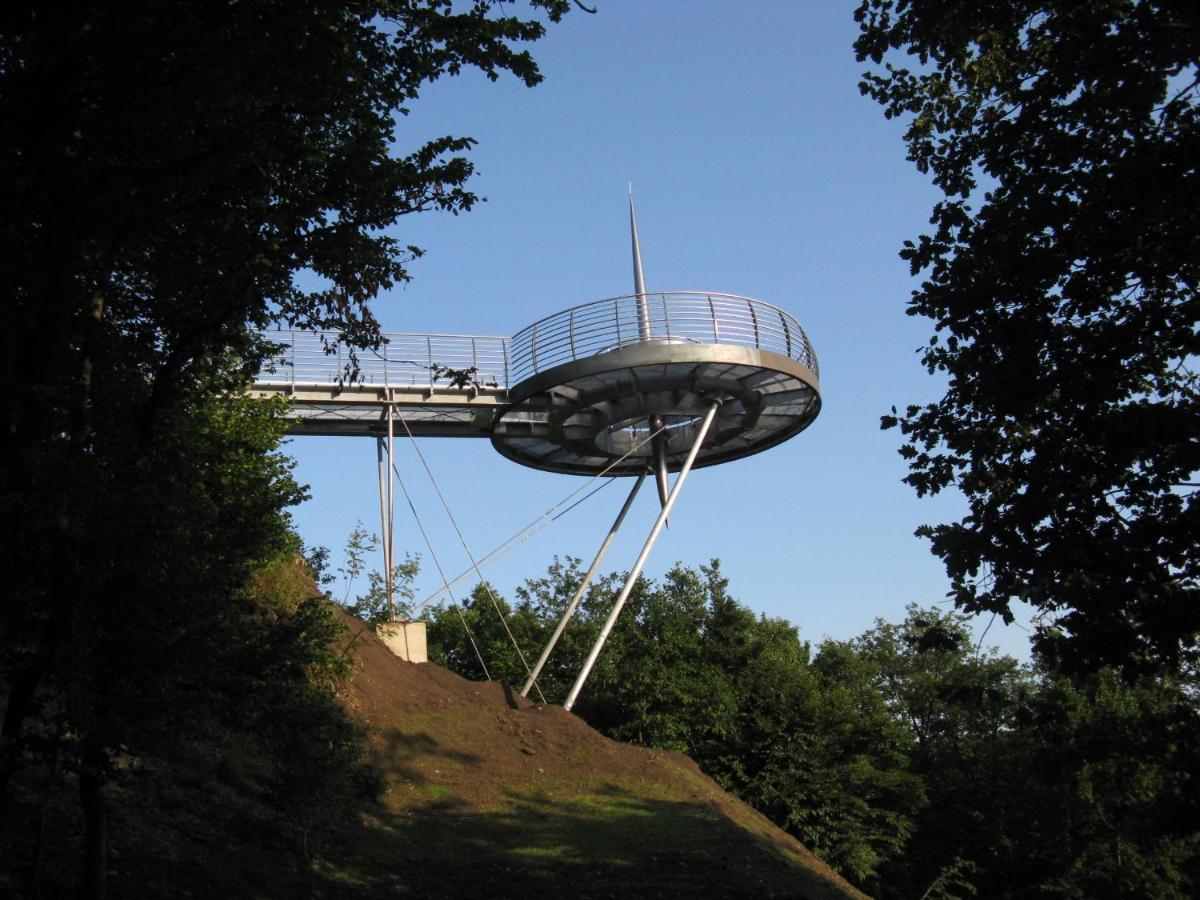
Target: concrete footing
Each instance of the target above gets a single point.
(405, 639)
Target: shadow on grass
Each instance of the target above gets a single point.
(400, 751)
(603, 841)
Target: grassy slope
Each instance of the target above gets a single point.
(489, 794)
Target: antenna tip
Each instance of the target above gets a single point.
(630, 188)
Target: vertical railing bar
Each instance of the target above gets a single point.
(754, 319)
(571, 328)
(787, 333)
(666, 316)
(715, 327)
(617, 317)
(429, 359)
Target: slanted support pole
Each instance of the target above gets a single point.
(384, 456)
(384, 472)
(389, 547)
(583, 586)
(643, 556)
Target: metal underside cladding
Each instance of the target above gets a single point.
(582, 416)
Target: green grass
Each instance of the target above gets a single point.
(593, 837)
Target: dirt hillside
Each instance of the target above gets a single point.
(491, 795)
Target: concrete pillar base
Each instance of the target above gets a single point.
(405, 639)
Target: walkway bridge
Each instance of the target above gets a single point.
(645, 384)
(574, 391)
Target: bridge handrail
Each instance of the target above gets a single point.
(429, 361)
(405, 360)
(702, 317)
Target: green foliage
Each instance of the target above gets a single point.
(1124, 759)
(1037, 784)
(372, 606)
(358, 545)
(471, 638)
(1061, 277)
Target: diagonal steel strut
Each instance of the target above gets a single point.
(583, 585)
(642, 557)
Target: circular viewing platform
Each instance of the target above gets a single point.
(585, 384)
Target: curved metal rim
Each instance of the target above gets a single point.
(651, 354)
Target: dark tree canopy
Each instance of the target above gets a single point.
(1061, 275)
(170, 171)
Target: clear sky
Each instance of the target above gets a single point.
(758, 169)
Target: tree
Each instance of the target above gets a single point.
(1037, 783)
(963, 709)
(1061, 276)
(171, 171)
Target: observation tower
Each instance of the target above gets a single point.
(647, 384)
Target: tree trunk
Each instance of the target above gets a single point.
(95, 822)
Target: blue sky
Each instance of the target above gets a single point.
(758, 169)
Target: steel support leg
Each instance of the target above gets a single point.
(385, 472)
(642, 557)
(583, 585)
(391, 517)
(659, 447)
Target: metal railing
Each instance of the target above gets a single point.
(675, 317)
(404, 361)
(457, 360)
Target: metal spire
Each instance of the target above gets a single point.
(639, 278)
(659, 444)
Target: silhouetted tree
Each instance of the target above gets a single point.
(1061, 276)
(170, 171)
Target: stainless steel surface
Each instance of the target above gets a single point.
(639, 277)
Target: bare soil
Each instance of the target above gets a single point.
(490, 794)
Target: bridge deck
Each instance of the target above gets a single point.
(442, 385)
